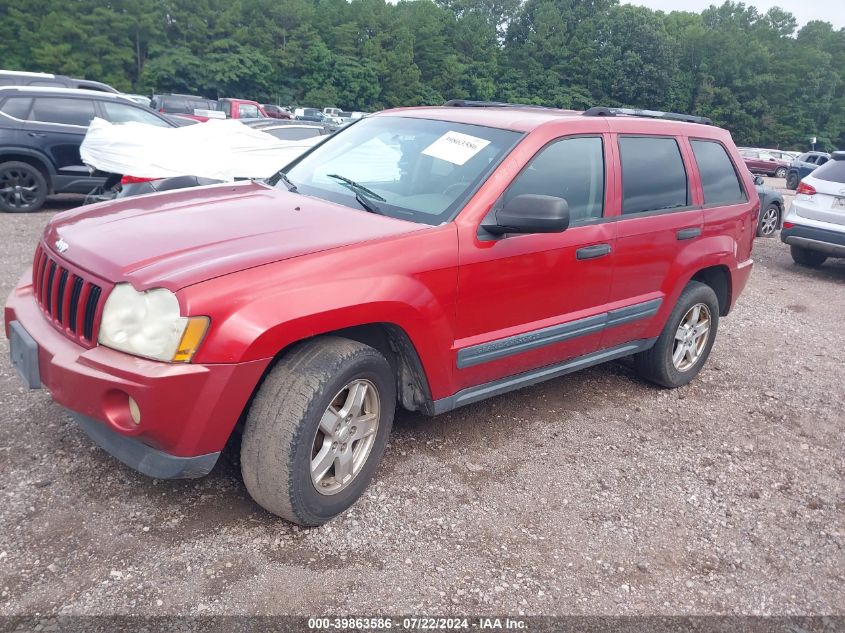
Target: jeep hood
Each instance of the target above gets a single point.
(176, 239)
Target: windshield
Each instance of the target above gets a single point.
(415, 169)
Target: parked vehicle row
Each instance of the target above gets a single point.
(40, 133)
(41, 130)
(764, 162)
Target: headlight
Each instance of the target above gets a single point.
(149, 324)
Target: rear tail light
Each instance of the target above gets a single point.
(133, 180)
(807, 190)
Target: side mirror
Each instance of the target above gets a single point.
(529, 213)
(758, 180)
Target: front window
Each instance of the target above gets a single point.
(415, 169)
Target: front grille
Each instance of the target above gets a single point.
(70, 300)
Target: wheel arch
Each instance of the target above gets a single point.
(718, 277)
(31, 157)
(393, 342)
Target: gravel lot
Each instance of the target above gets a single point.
(592, 494)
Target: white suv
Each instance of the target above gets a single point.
(814, 228)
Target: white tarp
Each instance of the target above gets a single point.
(221, 150)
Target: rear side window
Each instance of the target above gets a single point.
(832, 171)
(573, 169)
(718, 176)
(653, 174)
(17, 107)
(248, 111)
(65, 111)
(122, 113)
(226, 107)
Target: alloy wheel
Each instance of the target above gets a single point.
(18, 188)
(691, 337)
(345, 437)
(769, 221)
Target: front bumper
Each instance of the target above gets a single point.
(830, 243)
(187, 411)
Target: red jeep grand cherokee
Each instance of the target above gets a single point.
(424, 257)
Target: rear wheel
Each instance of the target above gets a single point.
(806, 257)
(685, 343)
(781, 172)
(792, 181)
(23, 188)
(317, 429)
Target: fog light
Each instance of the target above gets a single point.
(134, 410)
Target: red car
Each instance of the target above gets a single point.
(241, 109)
(425, 258)
(761, 162)
(276, 112)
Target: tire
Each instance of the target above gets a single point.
(769, 221)
(781, 172)
(657, 364)
(792, 181)
(23, 188)
(806, 257)
(283, 429)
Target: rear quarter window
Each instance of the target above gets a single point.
(718, 177)
(17, 107)
(832, 171)
(653, 174)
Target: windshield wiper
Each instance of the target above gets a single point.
(284, 178)
(359, 187)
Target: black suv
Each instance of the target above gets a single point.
(46, 80)
(41, 130)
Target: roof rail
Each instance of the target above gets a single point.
(651, 114)
(464, 103)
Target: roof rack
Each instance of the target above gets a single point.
(464, 103)
(651, 114)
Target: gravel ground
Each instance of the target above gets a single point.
(592, 494)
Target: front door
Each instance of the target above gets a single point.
(59, 125)
(526, 301)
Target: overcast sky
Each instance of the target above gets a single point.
(832, 11)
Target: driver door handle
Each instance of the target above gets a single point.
(591, 252)
(37, 134)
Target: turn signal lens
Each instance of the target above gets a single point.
(191, 339)
(807, 190)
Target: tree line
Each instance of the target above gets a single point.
(769, 82)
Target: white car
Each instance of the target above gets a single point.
(814, 228)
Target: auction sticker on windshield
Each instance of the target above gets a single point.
(455, 147)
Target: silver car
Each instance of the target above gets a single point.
(814, 228)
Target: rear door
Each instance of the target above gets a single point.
(59, 124)
(659, 220)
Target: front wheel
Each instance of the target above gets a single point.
(769, 221)
(792, 181)
(685, 343)
(317, 429)
(23, 188)
(781, 172)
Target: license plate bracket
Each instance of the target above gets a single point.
(24, 352)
